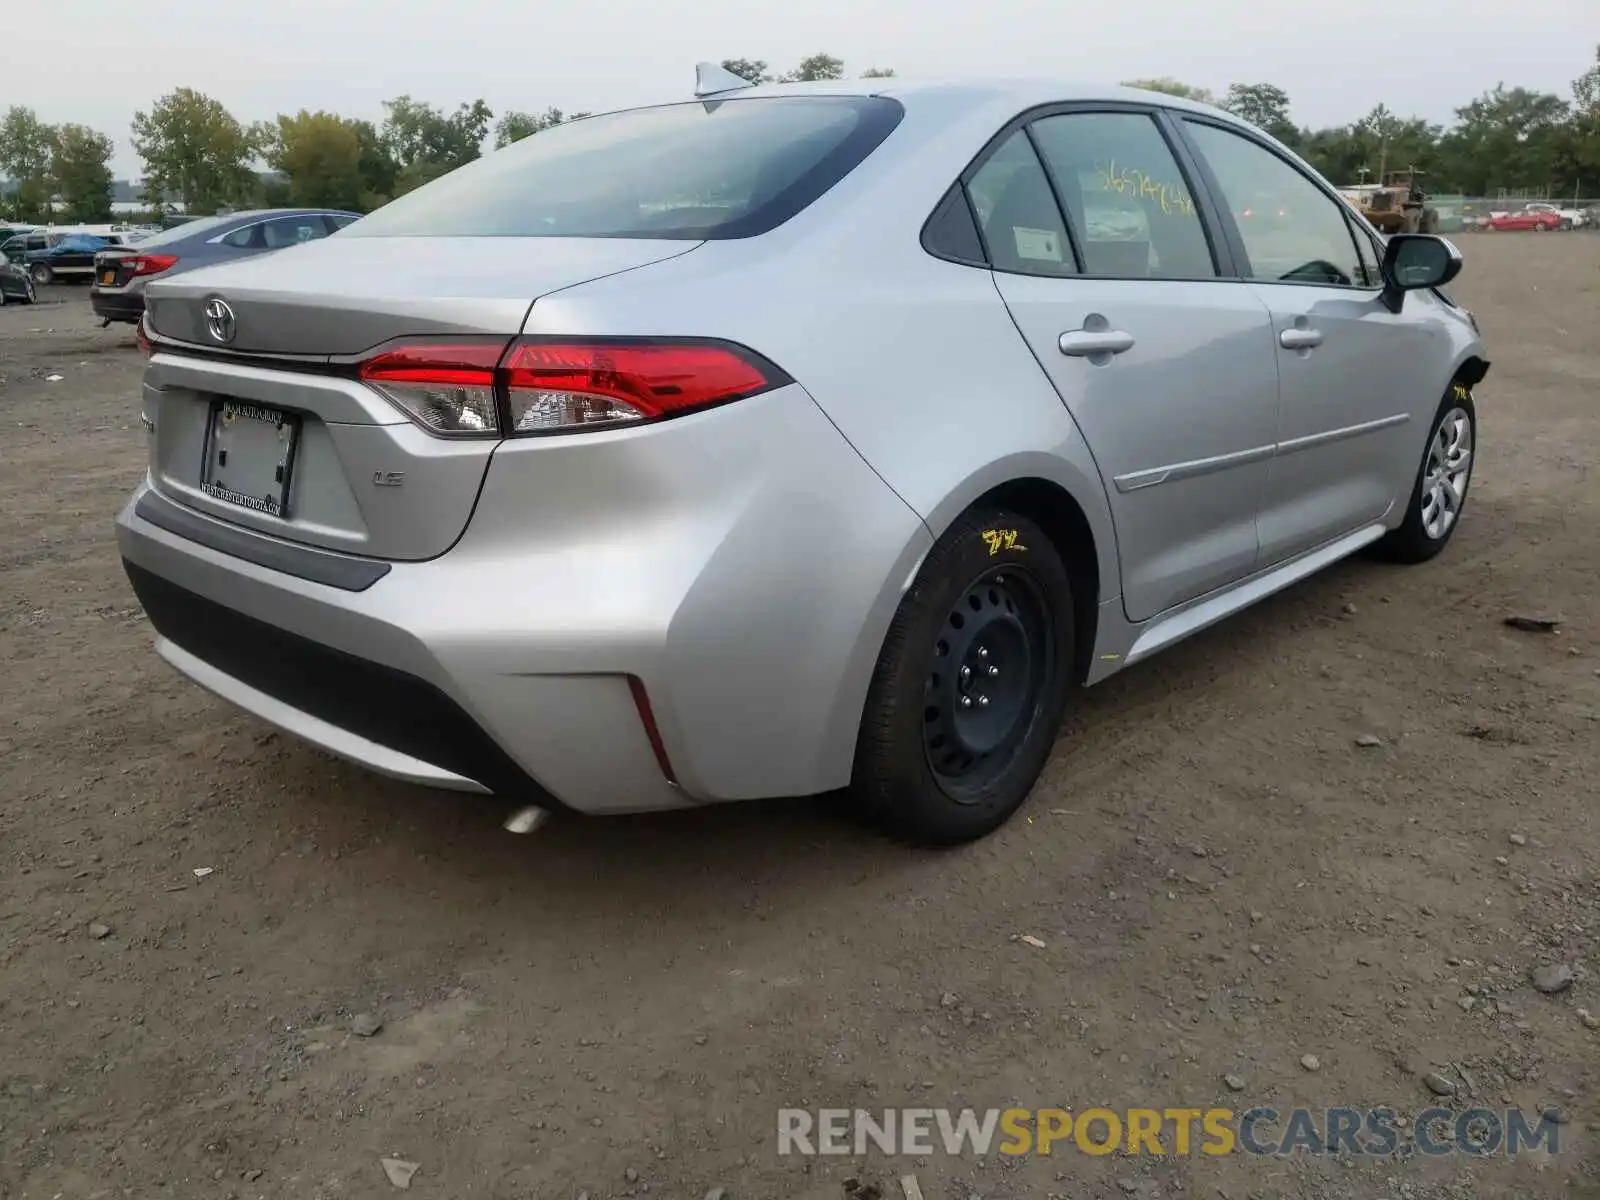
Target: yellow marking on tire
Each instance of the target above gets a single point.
(1001, 539)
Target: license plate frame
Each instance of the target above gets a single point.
(249, 457)
(108, 277)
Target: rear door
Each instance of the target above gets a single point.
(1356, 381)
(1166, 368)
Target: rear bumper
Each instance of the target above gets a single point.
(391, 721)
(117, 306)
(343, 671)
(747, 593)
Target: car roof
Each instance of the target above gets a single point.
(1023, 92)
(257, 214)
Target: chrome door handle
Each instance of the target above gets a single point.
(1082, 343)
(1300, 339)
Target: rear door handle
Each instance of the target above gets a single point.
(1082, 343)
(1300, 339)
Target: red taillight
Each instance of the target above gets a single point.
(550, 386)
(559, 385)
(142, 335)
(150, 264)
(464, 364)
(446, 387)
(652, 731)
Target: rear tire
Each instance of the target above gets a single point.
(971, 684)
(29, 296)
(42, 274)
(1439, 495)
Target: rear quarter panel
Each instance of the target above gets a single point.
(915, 360)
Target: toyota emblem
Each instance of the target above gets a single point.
(220, 322)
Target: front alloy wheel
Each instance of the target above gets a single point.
(1440, 492)
(1445, 477)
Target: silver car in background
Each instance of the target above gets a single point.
(121, 273)
(786, 439)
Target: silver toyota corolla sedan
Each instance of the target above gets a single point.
(786, 439)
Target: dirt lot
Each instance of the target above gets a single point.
(1222, 880)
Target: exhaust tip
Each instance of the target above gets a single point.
(526, 820)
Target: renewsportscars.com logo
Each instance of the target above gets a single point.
(1369, 1132)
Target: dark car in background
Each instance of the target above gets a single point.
(121, 273)
(67, 256)
(16, 285)
(64, 253)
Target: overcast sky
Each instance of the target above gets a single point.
(97, 61)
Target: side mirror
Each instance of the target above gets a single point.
(1416, 260)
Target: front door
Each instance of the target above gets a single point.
(1167, 370)
(1355, 380)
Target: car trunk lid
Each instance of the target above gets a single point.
(344, 295)
(260, 421)
(112, 266)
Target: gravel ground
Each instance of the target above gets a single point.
(1221, 879)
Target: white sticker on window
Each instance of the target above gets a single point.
(1042, 245)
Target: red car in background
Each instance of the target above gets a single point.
(1541, 221)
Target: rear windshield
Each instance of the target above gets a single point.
(187, 230)
(713, 169)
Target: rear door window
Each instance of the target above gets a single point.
(1131, 209)
(711, 169)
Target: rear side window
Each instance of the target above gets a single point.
(1017, 212)
(1130, 206)
(203, 225)
(246, 237)
(712, 169)
(951, 232)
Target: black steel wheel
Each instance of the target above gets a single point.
(971, 685)
(990, 662)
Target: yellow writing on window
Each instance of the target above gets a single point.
(1001, 539)
(1171, 198)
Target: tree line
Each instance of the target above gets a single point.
(1511, 138)
(194, 150)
